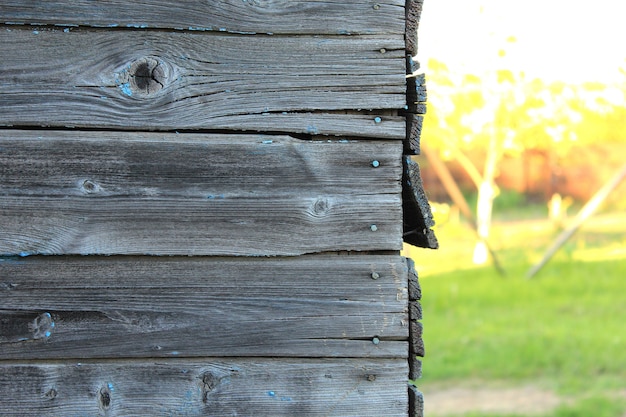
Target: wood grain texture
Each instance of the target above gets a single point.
(331, 17)
(413, 15)
(138, 307)
(152, 80)
(417, 215)
(211, 387)
(68, 192)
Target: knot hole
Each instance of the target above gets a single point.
(148, 76)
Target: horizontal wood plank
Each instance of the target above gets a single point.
(337, 17)
(151, 80)
(112, 307)
(67, 192)
(212, 387)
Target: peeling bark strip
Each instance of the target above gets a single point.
(196, 194)
(418, 218)
(211, 387)
(151, 80)
(276, 17)
(413, 13)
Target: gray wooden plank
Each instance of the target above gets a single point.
(68, 192)
(211, 387)
(337, 17)
(112, 307)
(152, 80)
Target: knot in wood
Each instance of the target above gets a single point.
(320, 207)
(148, 76)
(209, 383)
(104, 398)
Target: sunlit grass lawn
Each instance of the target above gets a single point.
(564, 330)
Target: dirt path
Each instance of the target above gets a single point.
(457, 401)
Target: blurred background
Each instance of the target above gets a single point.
(524, 158)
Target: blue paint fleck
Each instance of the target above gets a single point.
(36, 32)
(406, 107)
(47, 334)
(24, 254)
(112, 25)
(175, 353)
(377, 120)
(213, 197)
(126, 89)
(267, 142)
(271, 393)
(285, 398)
(110, 386)
(311, 129)
(66, 30)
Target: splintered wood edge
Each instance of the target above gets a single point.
(418, 217)
(415, 368)
(413, 10)
(415, 291)
(416, 402)
(416, 343)
(414, 124)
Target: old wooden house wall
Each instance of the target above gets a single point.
(202, 206)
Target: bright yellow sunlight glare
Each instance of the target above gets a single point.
(565, 40)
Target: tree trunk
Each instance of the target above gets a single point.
(484, 204)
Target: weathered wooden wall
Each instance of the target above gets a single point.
(202, 206)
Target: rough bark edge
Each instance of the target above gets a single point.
(418, 217)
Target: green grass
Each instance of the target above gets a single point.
(587, 407)
(566, 327)
(564, 330)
